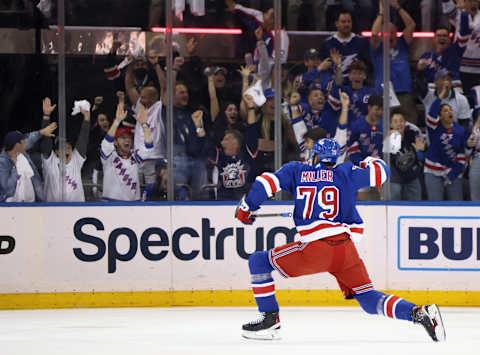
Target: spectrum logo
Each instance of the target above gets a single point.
(155, 244)
(438, 243)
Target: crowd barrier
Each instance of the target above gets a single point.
(195, 254)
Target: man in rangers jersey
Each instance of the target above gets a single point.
(366, 136)
(322, 75)
(75, 157)
(120, 163)
(355, 89)
(351, 46)
(444, 55)
(366, 139)
(326, 219)
(301, 124)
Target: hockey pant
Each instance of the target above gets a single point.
(336, 255)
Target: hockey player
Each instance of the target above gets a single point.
(120, 163)
(327, 220)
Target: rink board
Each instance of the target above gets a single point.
(196, 255)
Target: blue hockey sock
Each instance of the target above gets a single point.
(263, 286)
(375, 302)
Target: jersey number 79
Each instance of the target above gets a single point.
(327, 198)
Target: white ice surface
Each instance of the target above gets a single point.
(145, 331)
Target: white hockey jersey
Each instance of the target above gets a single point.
(73, 178)
(120, 175)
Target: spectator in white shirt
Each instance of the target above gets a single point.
(74, 158)
(120, 162)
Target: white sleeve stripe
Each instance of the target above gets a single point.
(265, 184)
(276, 182)
(372, 175)
(378, 174)
(103, 155)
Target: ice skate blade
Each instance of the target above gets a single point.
(266, 334)
(434, 312)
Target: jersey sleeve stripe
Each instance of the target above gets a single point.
(270, 183)
(108, 138)
(334, 103)
(137, 157)
(265, 184)
(377, 174)
(103, 155)
(112, 73)
(432, 122)
(353, 148)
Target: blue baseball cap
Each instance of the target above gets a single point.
(269, 93)
(13, 138)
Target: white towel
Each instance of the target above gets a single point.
(24, 191)
(77, 105)
(256, 92)
(393, 143)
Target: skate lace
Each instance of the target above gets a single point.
(422, 316)
(260, 318)
(418, 316)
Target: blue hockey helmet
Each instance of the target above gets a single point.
(328, 150)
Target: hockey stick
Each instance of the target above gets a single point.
(284, 214)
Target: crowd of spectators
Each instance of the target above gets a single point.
(224, 114)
